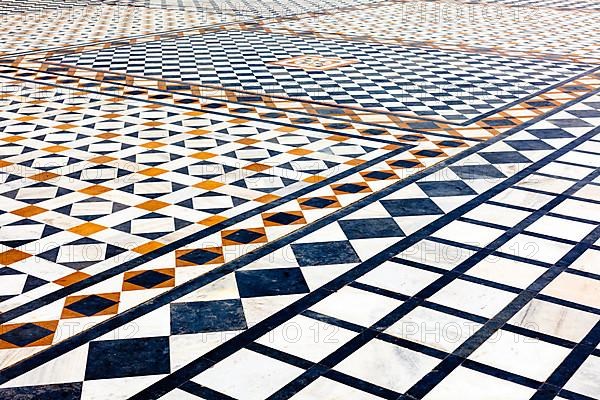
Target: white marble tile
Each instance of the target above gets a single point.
(579, 209)
(179, 394)
(387, 365)
(521, 355)
(575, 288)
(471, 297)
(497, 214)
(589, 261)
(116, 389)
(565, 170)
(591, 192)
(399, 278)
(586, 380)
(561, 228)
(544, 183)
(434, 329)
(527, 246)
(556, 320)
(436, 254)
(466, 384)
(506, 271)
(356, 306)
(465, 232)
(324, 388)
(58, 370)
(183, 349)
(248, 375)
(306, 338)
(522, 198)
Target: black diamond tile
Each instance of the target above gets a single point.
(243, 236)
(350, 188)
(207, 316)
(477, 171)
(446, 188)
(25, 335)
(90, 305)
(149, 279)
(283, 218)
(324, 253)
(63, 391)
(405, 164)
(505, 157)
(200, 256)
(411, 207)
(428, 153)
(271, 282)
(370, 228)
(318, 202)
(128, 357)
(550, 133)
(379, 175)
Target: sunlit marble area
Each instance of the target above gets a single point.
(299, 199)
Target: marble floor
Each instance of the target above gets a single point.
(299, 199)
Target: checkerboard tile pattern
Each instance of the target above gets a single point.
(404, 80)
(280, 8)
(587, 5)
(398, 268)
(92, 22)
(477, 27)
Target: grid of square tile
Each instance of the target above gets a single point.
(587, 5)
(76, 26)
(398, 268)
(435, 84)
(280, 8)
(479, 27)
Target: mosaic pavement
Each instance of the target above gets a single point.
(299, 200)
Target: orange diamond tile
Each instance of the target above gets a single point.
(203, 155)
(208, 185)
(55, 149)
(95, 190)
(107, 135)
(72, 278)
(213, 220)
(43, 176)
(300, 152)
(87, 229)
(153, 205)
(148, 247)
(257, 167)
(153, 171)
(12, 256)
(153, 145)
(267, 198)
(29, 211)
(102, 159)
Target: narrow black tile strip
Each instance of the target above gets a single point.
(195, 367)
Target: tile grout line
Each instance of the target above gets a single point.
(174, 380)
(84, 337)
(445, 279)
